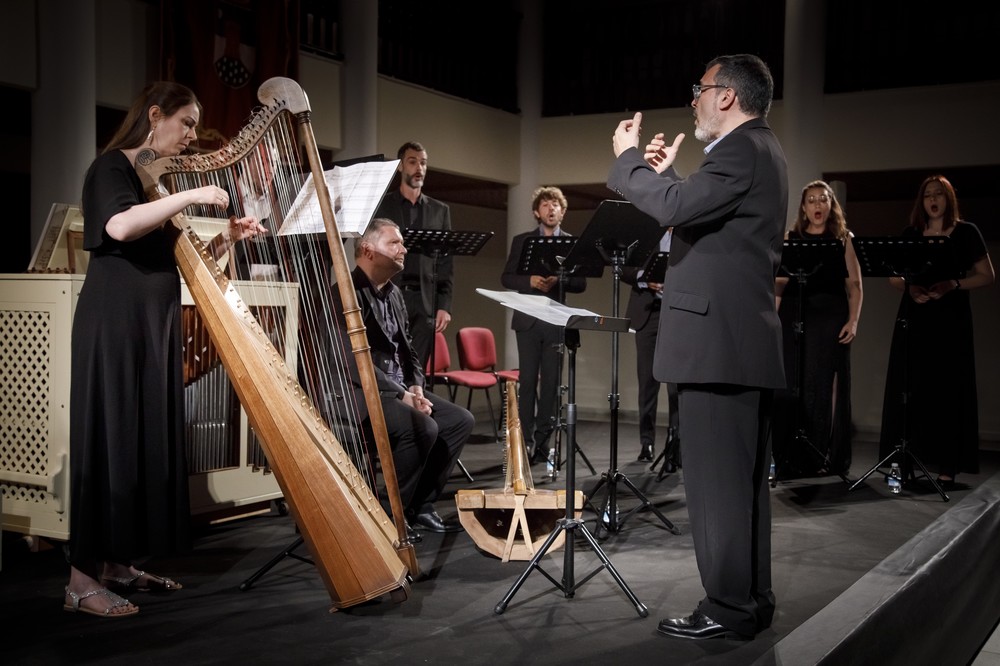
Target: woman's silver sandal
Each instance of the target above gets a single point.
(130, 583)
(116, 602)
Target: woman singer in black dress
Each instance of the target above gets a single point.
(128, 476)
(831, 308)
(932, 358)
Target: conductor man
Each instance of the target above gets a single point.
(720, 336)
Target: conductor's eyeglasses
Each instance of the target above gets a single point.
(697, 89)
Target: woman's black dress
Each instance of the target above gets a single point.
(128, 477)
(932, 359)
(824, 411)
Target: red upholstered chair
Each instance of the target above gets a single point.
(477, 350)
(453, 379)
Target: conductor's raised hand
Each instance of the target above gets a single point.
(659, 155)
(627, 134)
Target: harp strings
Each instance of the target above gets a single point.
(264, 183)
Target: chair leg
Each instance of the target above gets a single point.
(489, 404)
(493, 420)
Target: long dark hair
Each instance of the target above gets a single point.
(836, 223)
(918, 216)
(134, 130)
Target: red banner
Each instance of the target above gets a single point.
(224, 50)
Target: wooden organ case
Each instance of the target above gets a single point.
(229, 472)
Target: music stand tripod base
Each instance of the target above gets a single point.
(906, 257)
(801, 259)
(618, 235)
(287, 552)
(570, 524)
(902, 450)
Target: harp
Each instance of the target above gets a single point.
(298, 404)
(514, 521)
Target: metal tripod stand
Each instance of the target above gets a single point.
(608, 517)
(289, 551)
(556, 461)
(670, 455)
(906, 258)
(801, 439)
(901, 449)
(570, 524)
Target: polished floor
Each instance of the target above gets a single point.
(827, 541)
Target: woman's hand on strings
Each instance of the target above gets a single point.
(245, 227)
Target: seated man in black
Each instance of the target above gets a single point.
(426, 432)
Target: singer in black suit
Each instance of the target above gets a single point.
(427, 289)
(720, 336)
(539, 343)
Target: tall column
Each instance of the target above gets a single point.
(529, 85)
(802, 136)
(360, 94)
(63, 113)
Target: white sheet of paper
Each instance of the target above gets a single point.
(355, 193)
(540, 307)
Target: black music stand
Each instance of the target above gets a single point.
(801, 258)
(568, 585)
(441, 243)
(549, 255)
(618, 235)
(289, 551)
(655, 270)
(911, 258)
(546, 256)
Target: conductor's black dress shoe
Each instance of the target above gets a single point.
(698, 626)
(433, 522)
(646, 453)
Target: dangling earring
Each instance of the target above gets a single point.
(149, 137)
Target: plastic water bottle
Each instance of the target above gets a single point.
(895, 479)
(550, 464)
(771, 474)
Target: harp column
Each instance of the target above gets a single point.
(63, 106)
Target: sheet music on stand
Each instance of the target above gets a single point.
(55, 248)
(553, 312)
(355, 193)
